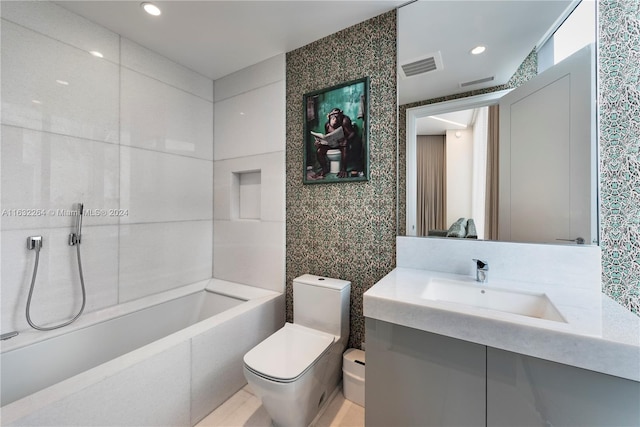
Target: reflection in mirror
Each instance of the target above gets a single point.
(523, 170)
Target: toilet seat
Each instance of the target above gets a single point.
(288, 354)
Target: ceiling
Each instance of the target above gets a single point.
(509, 29)
(439, 124)
(216, 38)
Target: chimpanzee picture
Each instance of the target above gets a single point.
(336, 133)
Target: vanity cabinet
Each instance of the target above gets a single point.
(417, 378)
(527, 391)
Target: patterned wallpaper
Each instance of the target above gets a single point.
(619, 127)
(344, 230)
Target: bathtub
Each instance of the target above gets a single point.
(168, 359)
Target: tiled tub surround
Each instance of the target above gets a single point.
(175, 380)
(249, 214)
(131, 131)
(599, 335)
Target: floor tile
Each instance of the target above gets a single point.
(244, 409)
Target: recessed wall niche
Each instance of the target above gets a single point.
(246, 187)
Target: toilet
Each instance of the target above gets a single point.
(295, 370)
(334, 157)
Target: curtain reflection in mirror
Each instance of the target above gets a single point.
(432, 184)
(491, 215)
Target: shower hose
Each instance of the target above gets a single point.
(33, 282)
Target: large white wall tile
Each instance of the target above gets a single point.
(251, 123)
(160, 117)
(49, 173)
(57, 296)
(164, 187)
(33, 67)
(152, 392)
(58, 23)
(262, 74)
(161, 256)
(250, 252)
(272, 185)
(154, 65)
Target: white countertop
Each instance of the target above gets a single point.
(599, 334)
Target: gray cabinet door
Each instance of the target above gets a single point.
(416, 378)
(526, 391)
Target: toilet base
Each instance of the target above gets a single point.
(321, 411)
(334, 157)
(325, 405)
(335, 167)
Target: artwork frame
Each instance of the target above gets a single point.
(336, 133)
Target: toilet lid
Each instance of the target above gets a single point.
(288, 353)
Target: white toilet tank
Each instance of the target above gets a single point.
(322, 303)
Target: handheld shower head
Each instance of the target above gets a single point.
(74, 238)
(79, 220)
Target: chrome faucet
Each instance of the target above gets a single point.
(482, 271)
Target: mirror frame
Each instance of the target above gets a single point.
(415, 113)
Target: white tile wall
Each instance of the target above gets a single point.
(159, 256)
(249, 136)
(158, 187)
(136, 137)
(250, 123)
(50, 173)
(60, 24)
(66, 148)
(160, 117)
(270, 71)
(57, 294)
(272, 191)
(87, 106)
(250, 252)
(250, 185)
(145, 61)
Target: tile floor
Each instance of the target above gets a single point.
(245, 409)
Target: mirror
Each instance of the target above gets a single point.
(439, 79)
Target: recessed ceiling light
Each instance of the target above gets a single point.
(96, 54)
(478, 50)
(62, 82)
(151, 9)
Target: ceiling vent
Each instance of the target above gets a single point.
(425, 64)
(477, 82)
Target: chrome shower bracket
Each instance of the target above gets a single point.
(34, 242)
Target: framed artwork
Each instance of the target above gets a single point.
(336, 133)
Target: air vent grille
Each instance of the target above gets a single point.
(419, 67)
(425, 64)
(477, 82)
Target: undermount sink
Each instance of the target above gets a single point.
(489, 298)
